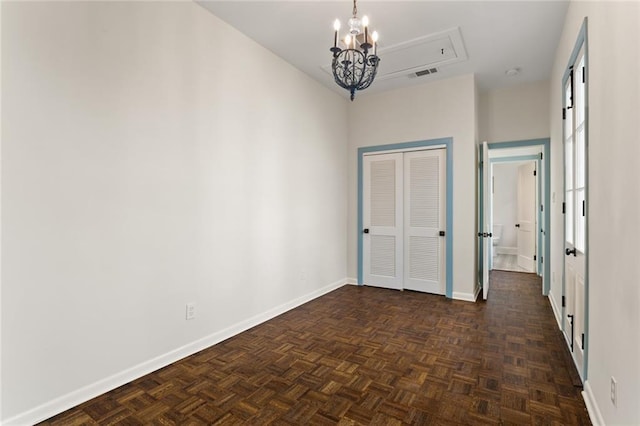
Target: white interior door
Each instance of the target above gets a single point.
(575, 212)
(486, 228)
(526, 217)
(424, 221)
(382, 220)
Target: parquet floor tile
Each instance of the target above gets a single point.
(363, 355)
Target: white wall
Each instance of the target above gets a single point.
(434, 110)
(613, 200)
(153, 156)
(505, 201)
(514, 113)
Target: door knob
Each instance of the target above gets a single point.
(366, 230)
(569, 251)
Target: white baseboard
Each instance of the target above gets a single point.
(554, 307)
(352, 281)
(506, 250)
(468, 297)
(592, 407)
(70, 400)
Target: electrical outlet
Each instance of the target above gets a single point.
(191, 311)
(614, 390)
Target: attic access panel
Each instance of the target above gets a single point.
(431, 51)
(427, 52)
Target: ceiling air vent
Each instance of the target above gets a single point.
(426, 72)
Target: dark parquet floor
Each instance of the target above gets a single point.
(362, 355)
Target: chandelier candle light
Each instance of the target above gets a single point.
(354, 67)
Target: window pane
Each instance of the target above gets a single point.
(580, 160)
(579, 96)
(568, 122)
(580, 221)
(569, 216)
(568, 160)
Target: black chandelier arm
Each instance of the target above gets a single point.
(370, 72)
(365, 47)
(354, 70)
(348, 67)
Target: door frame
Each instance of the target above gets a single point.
(447, 144)
(545, 185)
(581, 43)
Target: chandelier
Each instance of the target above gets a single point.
(354, 67)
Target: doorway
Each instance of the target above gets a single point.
(536, 150)
(368, 255)
(513, 201)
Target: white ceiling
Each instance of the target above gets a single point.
(496, 35)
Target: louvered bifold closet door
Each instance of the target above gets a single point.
(424, 218)
(382, 220)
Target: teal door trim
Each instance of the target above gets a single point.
(544, 143)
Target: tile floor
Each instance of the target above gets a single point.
(507, 262)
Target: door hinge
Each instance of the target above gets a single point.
(564, 113)
(541, 259)
(541, 156)
(570, 316)
(582, 343)
(583, 75)
(564, 301)
(535, 257)
(541, 207)
(563, 207)
(583, 207)
(535, 173)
